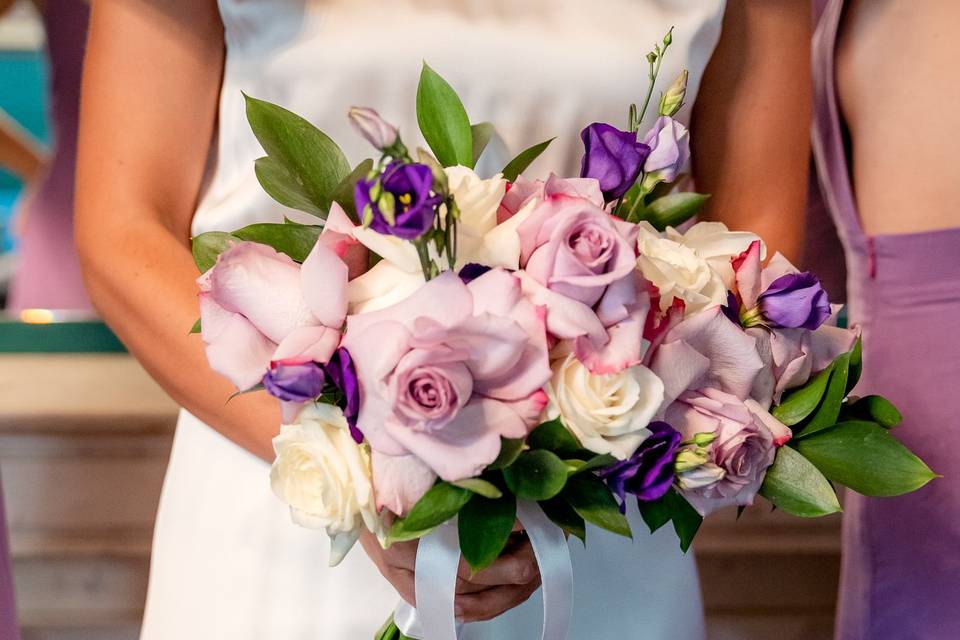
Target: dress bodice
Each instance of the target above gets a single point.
(537, 69)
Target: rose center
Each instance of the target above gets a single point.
(592, 246)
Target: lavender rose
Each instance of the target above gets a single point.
(745, 438)
(294, 380)
(648, 473)
(614, 158)
(404, 205)
(669, 143)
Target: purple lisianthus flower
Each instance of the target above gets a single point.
(648, 473)
(795, 300)
(342, 374)
(414, 206)
(669, 142)
(732, 308)
(294, 380)
(614, 158)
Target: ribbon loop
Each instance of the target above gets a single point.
(438, 557)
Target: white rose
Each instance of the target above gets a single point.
(607, 413)
(695, 266)
(325, 477)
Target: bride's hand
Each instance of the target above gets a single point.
(500, 587)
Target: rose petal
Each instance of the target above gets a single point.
(400, 481)
(323, 277)
(235, 349)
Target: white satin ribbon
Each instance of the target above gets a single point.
(438, 558)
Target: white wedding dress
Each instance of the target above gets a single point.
(227, 562)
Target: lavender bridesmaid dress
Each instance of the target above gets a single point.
(901, 566)
(8, 619)
(48, 271)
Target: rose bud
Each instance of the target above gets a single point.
(377, 131)
(795, 300)
(410, 208)
(294, 381)
(669, 143)
(614, 158)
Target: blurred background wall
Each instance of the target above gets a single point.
(85, 434)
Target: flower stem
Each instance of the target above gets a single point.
(654, 72)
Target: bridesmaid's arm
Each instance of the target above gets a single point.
(751, 122)
(150, 93)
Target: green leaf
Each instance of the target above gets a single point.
(313, 165)
(553, 436)
(856, 364)
(536, 475)
(686, 520)
(484, 527)
(443, 120)
(597, 462)
(438, 505)
(866, 458)
(295, 240)
(591, 499)
(343, 193)
(388, 631)
(829, 410)
(197, 327)
(481, 133)
(656, 513)
(796, 486)
(510, 450)
(524, 159)
(562, 514)
(674, 209)
(480, 487)
(800, 403)
(207, 246)
(283, 186)
(877, 409)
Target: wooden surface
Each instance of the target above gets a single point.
(83, 446)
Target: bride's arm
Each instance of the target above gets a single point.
(751, 121)
(150, 93)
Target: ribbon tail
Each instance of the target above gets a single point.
(556, 570)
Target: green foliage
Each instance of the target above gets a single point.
(673, 507)
(479, 486)
(206, 247)
(439, 504)
(829, 410)
(794, 485)
(481, 133)
(593, 502)
(484, 527)
(563, 515)
(536, 475)
(303, 165)
(197, 327)
(866, 458)
(856, 365)
(295, 240)
(524, 159)
(555, 437)
(799, 404)
(876, 409)
(443, 120)
(343, 193)
(510, 450)
(668, 211)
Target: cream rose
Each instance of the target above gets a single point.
(325, 477)
(693, 266)
(607, 413)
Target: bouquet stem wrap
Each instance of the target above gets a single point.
(438, 558)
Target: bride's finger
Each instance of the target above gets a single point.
(473, 607)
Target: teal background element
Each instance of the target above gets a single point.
(23, 78)
(58, 337)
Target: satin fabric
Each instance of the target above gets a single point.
(900, 577)
(8, 613)
(227, 562)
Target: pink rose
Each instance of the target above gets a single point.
(523, 192)
(746, 438)
(448, 371)
(258, 305)
(706, 350)
(575, 248)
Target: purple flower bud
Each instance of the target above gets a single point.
(648, 473)
(368, 123)
(343, 375)
(472, 271)
(795, 300)
(612, 157)
(399, 202)
(669, 143)
(294, 381)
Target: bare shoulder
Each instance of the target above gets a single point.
(899, 83)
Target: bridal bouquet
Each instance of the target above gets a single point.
(446, 347)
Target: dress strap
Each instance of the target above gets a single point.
(829, 148)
